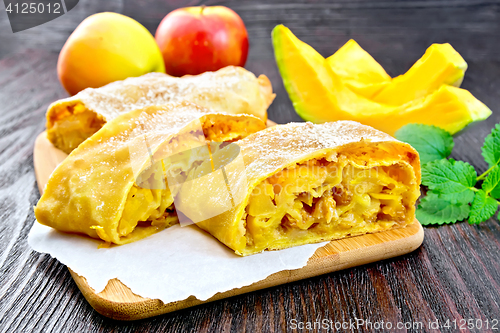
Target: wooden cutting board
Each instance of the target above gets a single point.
(117, 301)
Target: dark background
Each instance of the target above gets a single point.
(454, 275)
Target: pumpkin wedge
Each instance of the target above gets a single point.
(319, 95)
(440, 64)
(358, 70)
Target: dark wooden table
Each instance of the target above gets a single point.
(455, 275)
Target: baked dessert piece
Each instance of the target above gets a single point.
(112, 186)
(305, 183)
(231, 89)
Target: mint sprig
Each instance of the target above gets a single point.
(452, 193)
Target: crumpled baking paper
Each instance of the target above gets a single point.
(170, 265)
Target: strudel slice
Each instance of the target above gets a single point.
(303, 183)
(112, 186)
(231, 89)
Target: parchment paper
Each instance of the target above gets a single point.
(170, 265)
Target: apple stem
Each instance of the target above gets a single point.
(202, 7)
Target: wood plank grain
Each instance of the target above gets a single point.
(456, 271)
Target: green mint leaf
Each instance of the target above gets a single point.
(491, 147)
(483, 207)
(431, 142)
(491, 184)
(463, 198)
(434, 209)
(451, 178)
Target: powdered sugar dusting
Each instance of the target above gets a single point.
(269, 150)
(230, 89)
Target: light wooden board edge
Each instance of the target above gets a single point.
(117, 301)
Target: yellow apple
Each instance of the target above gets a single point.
(107, 47)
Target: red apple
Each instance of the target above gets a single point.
(194, 40)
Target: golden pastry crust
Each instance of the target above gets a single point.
(302, 152)
(94, 191)
(231, 90)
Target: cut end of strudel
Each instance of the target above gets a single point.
(304, 183)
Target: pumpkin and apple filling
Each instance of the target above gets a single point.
(73, 124)
(320, 199)
(304, 183)
(112, 187)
